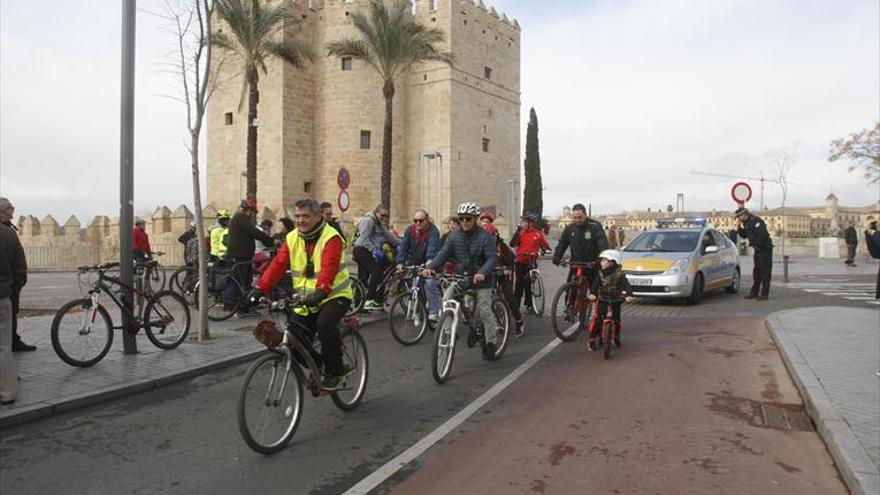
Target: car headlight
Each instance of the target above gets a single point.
(680, 266)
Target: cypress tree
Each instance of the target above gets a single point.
(533, 195)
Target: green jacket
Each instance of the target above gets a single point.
(13, 267)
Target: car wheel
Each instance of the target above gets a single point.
(697, 289)
(733, 288)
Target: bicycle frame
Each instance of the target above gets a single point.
(100, 286)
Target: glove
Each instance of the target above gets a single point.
(313, 298)
(378, 254)
(557, 261)
(254, 296)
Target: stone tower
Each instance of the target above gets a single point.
(831, 211)
(456, 129)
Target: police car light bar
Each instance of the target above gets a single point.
(681, 222)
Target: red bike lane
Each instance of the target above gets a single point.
(688, 405)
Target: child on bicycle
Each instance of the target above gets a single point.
(610, 289)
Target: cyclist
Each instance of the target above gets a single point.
(419, 245)
(506, 260)
(528, 242)
(243, 232)
(487, 218)
(371, 260)
(314, 253)
(586, 238)
(473, 250)
(610, 288)
(329, 219)
(220, 236)
(141, 241)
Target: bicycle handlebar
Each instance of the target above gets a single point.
(105, 266)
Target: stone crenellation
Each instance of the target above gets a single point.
(456, 129)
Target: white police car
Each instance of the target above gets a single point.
(681, 258)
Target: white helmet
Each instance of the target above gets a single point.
(469, 209)
(611, 255)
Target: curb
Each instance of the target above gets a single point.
(853, 463)
(42, 409)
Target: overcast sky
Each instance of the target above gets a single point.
(632, 96)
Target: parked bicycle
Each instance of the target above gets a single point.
(271, 399)
(571, 309)
(82, 330)
(151, 272)
(408, 313)
(459, 306)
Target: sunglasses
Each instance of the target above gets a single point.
(466, 219)
(383, 215)
(418, 220)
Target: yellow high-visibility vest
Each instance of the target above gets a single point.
(296, 245)
(218, 244)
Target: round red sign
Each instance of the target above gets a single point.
(343, 201)
(741, 192)
(343, 179)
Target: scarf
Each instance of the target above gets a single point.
(313, 234)
(421, 237)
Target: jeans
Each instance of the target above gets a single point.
(243, 273)
(370, 271)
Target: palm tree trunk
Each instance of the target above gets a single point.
(253, 79)
(388, 92)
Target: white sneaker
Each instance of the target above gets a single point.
(433, 317)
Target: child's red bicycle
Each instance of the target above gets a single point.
(608, 334)
(570, 303)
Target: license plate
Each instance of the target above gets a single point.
(640, 281)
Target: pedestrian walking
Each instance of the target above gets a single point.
(872, 238)
(6, 212)
(13, 275)
(852, 240)
(754, 229)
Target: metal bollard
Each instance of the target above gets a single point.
(785, 268)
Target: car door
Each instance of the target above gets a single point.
(709, 261)
(728, 257)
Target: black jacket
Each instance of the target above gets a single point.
(851, 237)
(13, 268)
(755, 230)
(473, 251)
(586, 242)
(242, 233)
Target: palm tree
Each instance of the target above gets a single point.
(254, 29)
(393, 41)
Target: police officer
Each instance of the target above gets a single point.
(755, 230)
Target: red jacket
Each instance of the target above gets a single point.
(528, 242)
(141, 241)
(330, 259)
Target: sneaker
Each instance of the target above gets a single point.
(332, 382)
(591, 345)
(433, 317)
(528, 310)
(489, 351)
(519, 330)
(372, 304)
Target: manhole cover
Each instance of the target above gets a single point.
(730, 342)
(790, 418)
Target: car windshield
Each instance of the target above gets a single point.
(664, 242)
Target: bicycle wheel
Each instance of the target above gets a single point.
(503, 324)
(408, 321)
(537, 284)
(355, 359)
(270, 403)
(218, 310)
(156, 279)
(166, 319)
(606, 339)
(443, 351)
(567, 323)
(358, 300)
(183, 282)
(81, 335)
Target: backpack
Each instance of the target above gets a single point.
(353, 234)
(873, 246)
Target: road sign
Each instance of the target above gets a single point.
(343, 179)
(343, 201)
(741, 192)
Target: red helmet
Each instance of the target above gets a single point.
(247, 204)
(487, 216)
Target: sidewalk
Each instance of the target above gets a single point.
(49, 386)
(832, 355)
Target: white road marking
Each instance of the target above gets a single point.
(851, 291)
(394, 465)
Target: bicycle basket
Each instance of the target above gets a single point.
(268, 334)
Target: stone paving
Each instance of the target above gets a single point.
(833, 355)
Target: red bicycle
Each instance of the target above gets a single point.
(571, 309)
(609, 332)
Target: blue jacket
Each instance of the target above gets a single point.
(409, 252)
(473, 251)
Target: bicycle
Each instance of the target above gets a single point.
(220, 276)
(408, 313)
(536, 283)
(459, 304)
(85, 324)
(272, 390)
(609, 332)
(391, 286)
(151, 272)
(570, 303)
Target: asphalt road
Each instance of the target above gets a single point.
(183, 438)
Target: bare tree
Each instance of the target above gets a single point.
(189, 22)
(862, 148)
(783, 165)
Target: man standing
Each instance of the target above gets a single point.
(421, 242)
(371, 261)
(6, 212)
(13, 275)
(243, 232)
(586, 237)
(140, 240)
(754, 229)
(852, 240)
